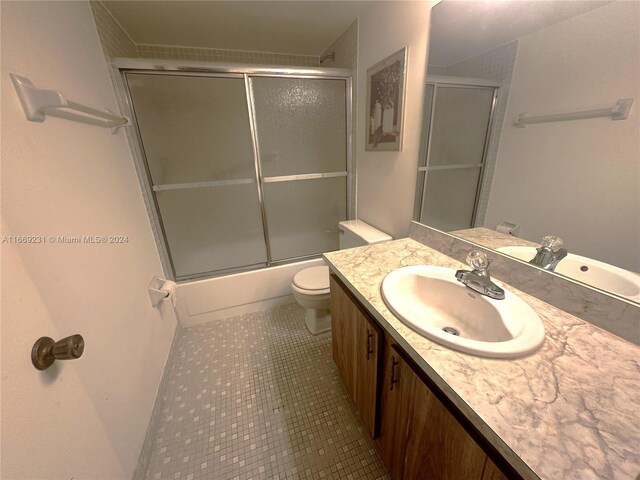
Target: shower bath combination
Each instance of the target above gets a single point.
(247, 168)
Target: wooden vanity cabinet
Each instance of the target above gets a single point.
(419, 439)
(491, 472)
(356, 352)
(397, 389)
(417, 436)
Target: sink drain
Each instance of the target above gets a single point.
(451, 330)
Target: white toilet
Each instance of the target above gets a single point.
(311, 285)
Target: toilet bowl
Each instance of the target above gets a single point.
(310, 286)
(311, 290)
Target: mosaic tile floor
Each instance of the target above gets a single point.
(258, 397)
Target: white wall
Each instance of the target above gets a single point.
(85, 418)
(579, 180)
(386, 180)
(217, 298)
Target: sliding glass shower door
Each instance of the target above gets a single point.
(302, 140)
(197, 143)
(246, 171)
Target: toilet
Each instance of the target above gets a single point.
(311, 286)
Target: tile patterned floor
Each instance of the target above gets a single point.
(257, 397)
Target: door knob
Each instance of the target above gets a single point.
(45, 351)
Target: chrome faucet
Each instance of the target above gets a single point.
(479, 279)
(550, 253)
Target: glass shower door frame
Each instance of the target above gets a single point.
(427, 124)
(262, 180)
(244, 73)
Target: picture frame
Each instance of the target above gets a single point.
(385, 103)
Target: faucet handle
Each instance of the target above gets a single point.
(552, 242)
(478, 260)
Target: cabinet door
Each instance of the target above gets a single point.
(343, 331)
(437, 445)
(356, 349)
(367, 350)
(395, 406)
(491, 472)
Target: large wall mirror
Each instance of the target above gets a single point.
(560, 171)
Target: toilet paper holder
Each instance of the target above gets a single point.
(509, 228)
(160, 289)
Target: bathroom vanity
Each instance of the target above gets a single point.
(416, 435)
(568, 410)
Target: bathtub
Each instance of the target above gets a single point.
(211, 299)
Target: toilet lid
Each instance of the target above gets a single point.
(313, 278)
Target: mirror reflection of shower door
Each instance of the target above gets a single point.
(302, 142)
(199, 153)
(458, 130)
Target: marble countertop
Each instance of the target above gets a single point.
(571, 410)
(491, 239)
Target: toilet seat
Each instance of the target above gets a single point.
(312, 281)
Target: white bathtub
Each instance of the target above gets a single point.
(202, 301)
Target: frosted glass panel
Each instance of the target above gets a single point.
(460, 123)
(303, 216)
(301, 125)
(194, 129)
(449, 199)
(212, 228)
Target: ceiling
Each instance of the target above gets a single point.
(295, 27)
(464, 28)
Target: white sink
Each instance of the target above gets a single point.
(586, 270)
(429, 299)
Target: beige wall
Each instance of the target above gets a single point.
(387, 180)
(345, 48)
(580, 179)
(85, 418)
(116, 42)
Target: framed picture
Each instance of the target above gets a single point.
(385, 103)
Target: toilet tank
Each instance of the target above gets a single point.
(356, 233)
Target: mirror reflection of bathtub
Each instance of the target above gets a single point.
(577, 179)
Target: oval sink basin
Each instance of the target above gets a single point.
(432, 302)
(586, 270)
